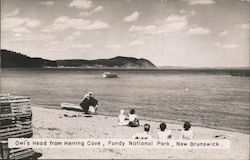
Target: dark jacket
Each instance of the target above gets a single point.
(88, 102)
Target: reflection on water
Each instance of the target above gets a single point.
(208, 100)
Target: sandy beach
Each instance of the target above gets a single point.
(50, 123)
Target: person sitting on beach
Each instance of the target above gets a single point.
(94, 103)
(164, 134)
(89, 104)
(133, 120)
(143, 135)
(187, 133)
(122, 119)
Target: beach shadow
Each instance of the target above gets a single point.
(70, 116)
(220, 136)
(53, 129)
(88, 116)
(79, 115)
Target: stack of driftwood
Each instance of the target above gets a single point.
(15, 122)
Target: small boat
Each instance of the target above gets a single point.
(71, 106)
(109, 75)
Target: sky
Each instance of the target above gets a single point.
(191, 33)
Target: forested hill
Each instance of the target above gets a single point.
(116, 62)
(11, 59)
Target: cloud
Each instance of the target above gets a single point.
(18, 35)
(224, 33)
(174, 23)
(201, 2)
(245, 0)
(85, 13)
(133, 35)
(171, 25)
(188, 13)
(85, 46)
(175, 18)
(243, 26)
(242, 36)
(13, 13)
(32, 37)
(198, 31)
(69, 43)
(149, 29)
(21, 30)
(47, 3)
(137, 43)
(226, 46)
(13, 23)
(77, 33)
(88, 13)
(33, 23)
(217, 44)
(58, 49)
(81, 4)
(63, 22)
(47, 29)
(44, 37)
(98, 9)
(53, 43)
(114, 46)
(131, 18)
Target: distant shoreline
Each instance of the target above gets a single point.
(244, 72)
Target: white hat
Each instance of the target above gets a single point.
(86, 96)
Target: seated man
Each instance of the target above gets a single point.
(122, 119)
(164, 134)
(133, 119)
(143, 135)
(186, 133)
(89, 104)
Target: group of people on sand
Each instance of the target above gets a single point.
(89, 106)
(132, 121)
(165, 133)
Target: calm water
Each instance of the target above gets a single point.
(216, 101)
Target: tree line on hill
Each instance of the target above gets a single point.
(11, 59)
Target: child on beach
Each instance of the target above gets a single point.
(164, 134)
(144, 135)
(122, 119)
(187, 133)
(133, 120)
